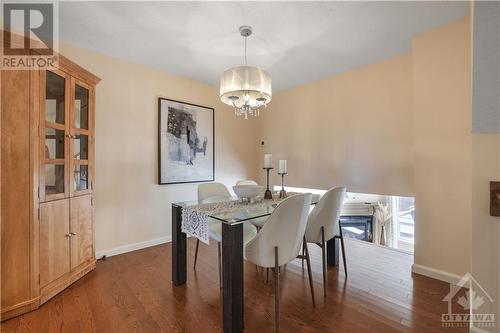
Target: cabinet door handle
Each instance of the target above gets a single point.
(72, 233)
(69, 235)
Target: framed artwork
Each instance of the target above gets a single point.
(186, 142)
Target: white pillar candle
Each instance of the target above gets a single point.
(268, 161)
(282, 168)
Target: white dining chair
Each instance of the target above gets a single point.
(212, 192)
(323, 224)
(279, 240)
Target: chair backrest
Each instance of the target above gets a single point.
(285, 229)
(212, 190)
(246, 182)
(326, 214)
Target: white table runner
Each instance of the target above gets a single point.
(195, 218)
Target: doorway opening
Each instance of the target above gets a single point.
(384, 220)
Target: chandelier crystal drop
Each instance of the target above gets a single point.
(246, 88)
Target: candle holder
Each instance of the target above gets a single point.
(283, 192)
(268, 194)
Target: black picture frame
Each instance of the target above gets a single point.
(210, 109)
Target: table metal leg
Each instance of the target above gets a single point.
(232, 277)
(179, 255)
(332, 252)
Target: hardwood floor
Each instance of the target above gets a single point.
(133, 293)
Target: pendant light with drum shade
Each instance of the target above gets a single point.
(246, 88)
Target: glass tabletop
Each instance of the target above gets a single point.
(244, 211)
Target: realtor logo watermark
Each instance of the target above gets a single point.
(29, 35)
(474, 299)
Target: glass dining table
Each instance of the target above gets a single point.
(232, 252)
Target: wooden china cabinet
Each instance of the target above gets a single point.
(47, 167)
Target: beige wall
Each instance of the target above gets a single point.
(402, 127)
(485, 228)
(486, 151)
(443, 147)
(353, 129)
(130, 206)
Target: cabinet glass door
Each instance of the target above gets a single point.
(53, 127)
(81, 137)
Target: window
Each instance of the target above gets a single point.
(404, 222)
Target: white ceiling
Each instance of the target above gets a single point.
(297, 42)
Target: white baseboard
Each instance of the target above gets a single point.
(132, 247)
(436, 273)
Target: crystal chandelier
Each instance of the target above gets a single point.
(247, 89)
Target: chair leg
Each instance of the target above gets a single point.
(343, 250)
(196, 252)
(303, 256)
(219, 254)
(308, 261)
(267, 275)
(276, 291)
(323, 259)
